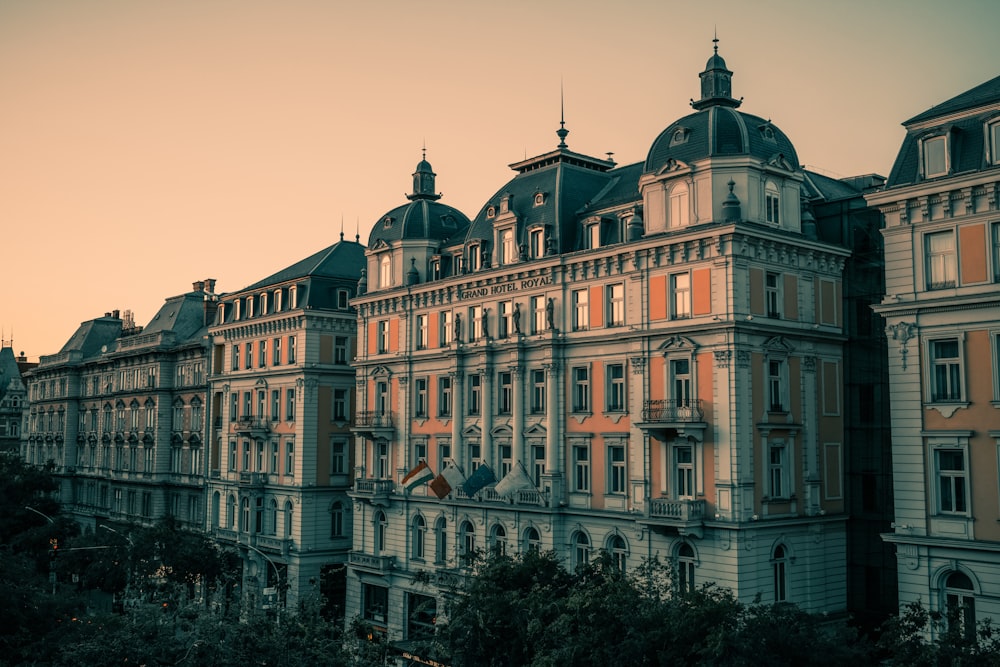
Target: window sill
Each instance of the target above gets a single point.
(946, 408)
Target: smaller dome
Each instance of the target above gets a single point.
(716, 62)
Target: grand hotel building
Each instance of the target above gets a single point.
(648, 357)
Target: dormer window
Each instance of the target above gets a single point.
(772, 203)
(277, 300)
(236, 309)
(343, 299)
(249, 307)
(491, 212)
(293, 297)
(475, 257)
(262, 302)
(385, 271)
(934, 156)
(536, 242)
(679, 206)
(993, 141)
(539, 198)
(508, 249)
(221, 317)
(767, 132)
(387, 222)
(594, 235)
(680, 136)
(436, 269)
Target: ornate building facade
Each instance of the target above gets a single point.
(282, 390)
(646, 359)
(13, 398)
(942, 249)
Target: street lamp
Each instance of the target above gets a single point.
(128, 570)
(277, 579)
(53, 547)
(41, 514)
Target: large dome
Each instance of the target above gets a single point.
(419, 219)
(719, 131)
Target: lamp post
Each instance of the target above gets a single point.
(277, 579)
(53, 547)
(128, 569)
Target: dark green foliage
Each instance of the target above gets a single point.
(905, 639)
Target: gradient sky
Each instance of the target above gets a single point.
(146, 144)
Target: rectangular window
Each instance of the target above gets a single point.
(680, 291)
(235, 364)
(946, 370)
(291, 349)
(445, 333)
(616, 304)
(383, 336)
(246, 455)
(262, 362)
(290, 458)
(537, 314)
(536, 243)
(935, 156)
(994, 138)
(290, 405)
(995, 242)
(261, 403)
(382, 459)
(340, 350)
(504, 325)
(939, 249)
(475, 394)
(616, 469)
(475, 258)
(581, 468)
(420, 397)
(508, 249)
(772, 294)
(594, 236)
(505, 393)
(538, 391)
(259, 456)
(340, 404)
(776, 385)
(680, 382)
(581, 310)
(538, 464)
(615, 374)
(444, 453)
(247, 405)
(275, 405)
(951, 474)
(475, 456)
(274, 457)
(444, 397)
(506, 463)
(475, 323)
(684, 471)
(777, 470)
(581, 389)
(248, 355)
(421, 332)
(232, 455)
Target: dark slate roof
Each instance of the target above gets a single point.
(623, 188)
(984, 93)
(343, 259)
(966, 143)
(93, 334)
(718, 131)
(184, 315)
(9, 369)
(420, 219)
(830, 189)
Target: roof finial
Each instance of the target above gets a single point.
(341, 226)
(423, 150)
(715, 40)
(357, 230)
(562, 131)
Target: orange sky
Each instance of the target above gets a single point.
(146, 144)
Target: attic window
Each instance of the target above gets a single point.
(387, 223)
(680, 136)
(539, 198)
(767, 132)
(934, 155)
(993, 140)
(491, 212)
(448, 221)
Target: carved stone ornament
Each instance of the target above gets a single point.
(902, 332)
(722, 358)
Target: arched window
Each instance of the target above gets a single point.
(679, 207)
(581, 550)
(779, 563)
(272, 516)
(467, 539)
(385, 271)
(498, 540)
(417, 531)
(685, 568)
(231, 513)
(532, 541)
(289, 515)
(337, 519)
(381, 525)
(618, 551)
(441, 541)
(216, 501)
(772, 203)
(960, 603)
(245, 515)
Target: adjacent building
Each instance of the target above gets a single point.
(13, 398)
(645, 359)
(942, 316)
(282, 394)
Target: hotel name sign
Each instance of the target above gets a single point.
(505, 287)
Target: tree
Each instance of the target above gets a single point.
(931, 639)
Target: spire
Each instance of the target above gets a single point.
(423, 179)
(562, 131)
(716, 82)
(341, 226)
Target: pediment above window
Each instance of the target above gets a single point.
(676, 343)
(780, 161)
(381, 371)
(778, 344)
(673, 165)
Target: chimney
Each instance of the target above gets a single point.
(210, 285)
(116, 314)
(198, 286)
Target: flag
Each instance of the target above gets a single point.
(421, 474)
(516, 479)
(450, 478)
(481, 477)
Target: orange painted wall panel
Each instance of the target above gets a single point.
(701, 291)
(827, 302)
(433, 334)
(596, 307)
(657, 378)
(658, 298)
(326, 349)
(756, 291)
(972, 253)
(372, 332)
(791, 297)
(394, 334)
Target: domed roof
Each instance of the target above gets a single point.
(424, 217)
(718, 131)
(715, 62)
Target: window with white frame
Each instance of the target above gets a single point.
(274, 457)
(946, 370)
(581, 309)
(475, 257)
(537, 464)
(383, 336)
(772, 294)
(685, 568)
(420, 397)
(779, 569)
(680, 382)
(772, 203)
(680, 292)
(276, 352)
(960, 604)
(290, 458)
(684, 479)
(777, 381)
(340, 407)
(993, 137)
(418, 532)
(581, 550)
(385, 271)
(950, 467)
(616, 469)
(290, 405)
(444, 396)
(505, 452)
(679, 207)
(778, 470)
(581, 389)
(340, 344)
(249, 306)
(536, 243)
(421, 332)
(593, 235)
(532, 540)
(382, 459)
(381, 398)
(338, 456)
(291, 349)
(475, 323)
(293, 297)
(615, 304)
(618, 551)
(538, 390)
(941, 264)
(615, 390)
(475, 393)
(934, 153)
(537, 314)
(475, 456)
(505, 392)
(446, 331)
(504, 322)
(508, 248)
(343, 299)
(277, 300)
(581, 468)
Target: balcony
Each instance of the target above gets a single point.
(687, 516)
(374, 423)
(253, 479)
(369, 563)
(375, 491)
(272, 544)
(532, 497)
(666, 419)
(252, 427)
